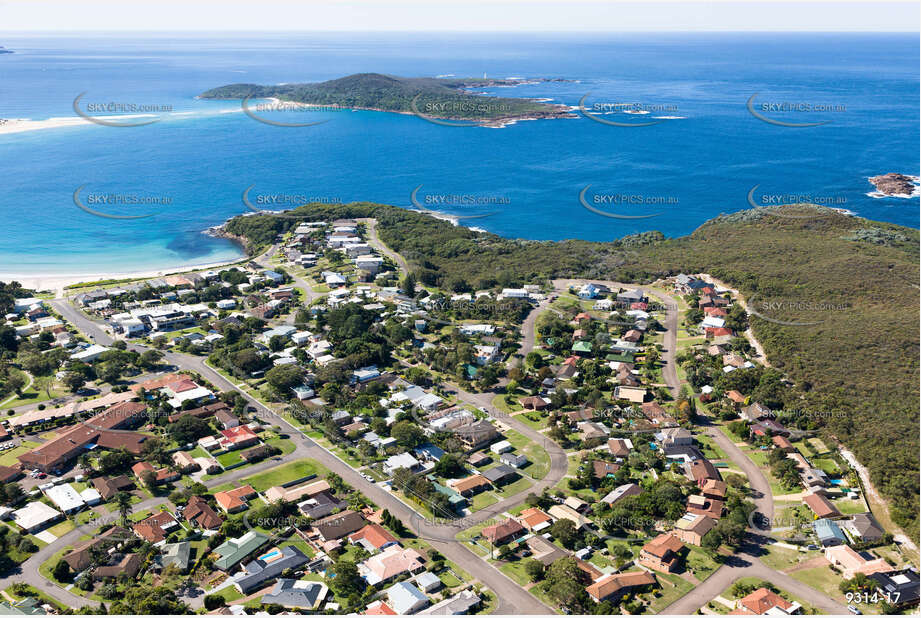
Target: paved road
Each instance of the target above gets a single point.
(375, 241)
(670, 343)
(746, 564)
(512, 599)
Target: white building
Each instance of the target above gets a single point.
(35, 516)
(89, 354)
(65, 497)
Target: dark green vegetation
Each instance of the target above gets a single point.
(854, 362)
(438, 98)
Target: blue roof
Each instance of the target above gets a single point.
(827, 529)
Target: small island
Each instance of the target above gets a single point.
(4, 50)
(441, 98)
(895, 185)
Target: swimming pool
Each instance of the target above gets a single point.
(837, 481)
(269, 555)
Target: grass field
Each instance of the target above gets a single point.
(8, 458)
(540, 460)
(284, 474)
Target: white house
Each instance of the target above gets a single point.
(588, 291)
(89, 354)
(403, 460)
(501, 447)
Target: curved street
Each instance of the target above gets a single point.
(511, 598)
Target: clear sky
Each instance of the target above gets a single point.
(453, 15)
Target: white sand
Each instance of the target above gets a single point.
(20, 125)
(58, 282)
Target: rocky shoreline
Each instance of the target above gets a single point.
(219, 231)
(896, 185)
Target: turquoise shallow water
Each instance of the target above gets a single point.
(199, 160)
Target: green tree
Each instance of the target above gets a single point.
(61, 571)
(123, 501)
(407, 434)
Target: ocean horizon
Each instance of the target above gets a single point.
(703, 153)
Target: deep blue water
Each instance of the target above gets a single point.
(697, 166)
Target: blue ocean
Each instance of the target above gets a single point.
(701, 152)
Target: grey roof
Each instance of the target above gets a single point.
(259, 572)
(321, 505)
(498, 473)
(176, 553)
(867, 526)
(460, 603)
(306, 594)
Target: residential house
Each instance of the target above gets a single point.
(199, 513)
(613, 586)
(543, 550)
(500, 475)
(393, 562)
(851, 562)
(269, 567)
(237, 437)
(820, 506)
(692, 527)
(620, 447)
(462, 603)
(621, 492)
(373, 537)
(604, 469)
(155, 528)
(503, 532)
(657, 415)
(176, 554)
(828, 533)
(234, 500)
(662, 553)
(534, 519)
(765, 602)
(561, 511)
(233, 551)
(339, 525)
(298, 594)
(865, 527)
(108, 487)
(470, 485)
(405, 598)
(900, 588)
(708, 507)
(514, 460)
(81, 556)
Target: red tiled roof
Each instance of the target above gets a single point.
(374, 534)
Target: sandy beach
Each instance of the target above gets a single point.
(21, 125)
(57, 282)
